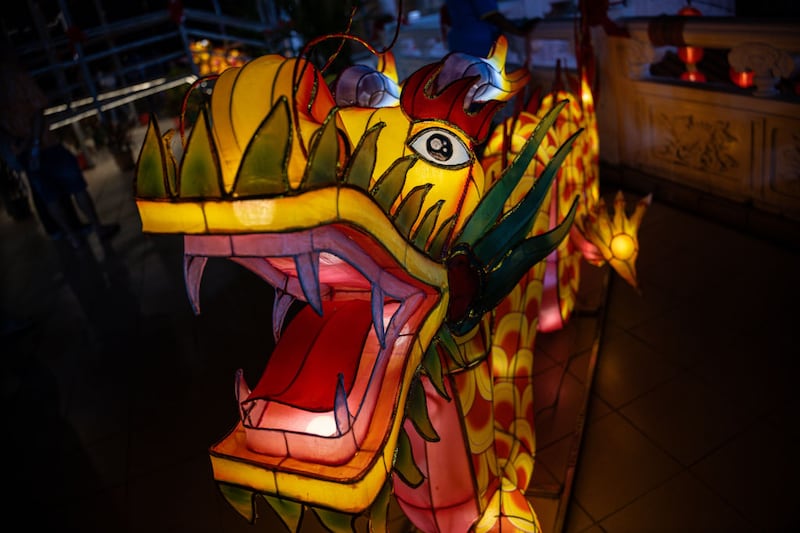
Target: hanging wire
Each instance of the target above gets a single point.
(299, 71)
(184, 104)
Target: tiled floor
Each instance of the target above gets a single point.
(112, 397)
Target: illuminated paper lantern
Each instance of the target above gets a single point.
(368, 203)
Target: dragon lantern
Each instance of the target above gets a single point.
(406, 372)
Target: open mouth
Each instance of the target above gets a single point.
(331, 390)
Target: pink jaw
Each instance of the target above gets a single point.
(340, 356)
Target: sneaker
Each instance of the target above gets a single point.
(106, 231)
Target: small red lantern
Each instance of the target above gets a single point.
(742, 79)
(691, 55)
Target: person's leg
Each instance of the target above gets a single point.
(57, 213)
(66, 168)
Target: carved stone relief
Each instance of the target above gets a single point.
(704, 145)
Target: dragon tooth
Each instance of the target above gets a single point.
(308, 273)
(242, 391)
(193, 267)
(341, 412)
(280, 307)
(377, 314)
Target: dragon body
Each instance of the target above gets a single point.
(419, 269)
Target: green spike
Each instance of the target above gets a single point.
(410, 207)
(404, 463)
(433, 369)
(170, 163)
(388, 187)
(379, 510)
(491, 205)
(362, 164)
(152, 169)
(438, 242)
(502, 279)
(200, 172)
(241, 499)
(323, 158)
(425, 227)
(289, 512)
(527, 254)
(417, 411)
(335, 521)
(264, 167)
(516, 224)
(445, 338)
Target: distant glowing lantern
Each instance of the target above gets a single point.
(213, 60)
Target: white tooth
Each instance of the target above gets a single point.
(340, 410)
(193, 266)
(308, 272)
(377, 314)
(279, 309)
(242, 390)
(242, 393)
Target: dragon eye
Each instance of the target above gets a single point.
(440, 147)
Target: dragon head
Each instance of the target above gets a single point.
(375, 216)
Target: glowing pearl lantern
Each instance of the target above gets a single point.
(617, 238)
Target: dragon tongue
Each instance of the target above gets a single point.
(313, 351)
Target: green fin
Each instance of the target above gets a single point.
(491, 205)
(323, 158)
(335, 521)
(289, 511)
(404, 463)
(264, 167)
(362, 163)
(388, 187)
(433, 369)
(379, 510)
(151, 169)
(515, 225)
(417, 412)
(170, 164)
(200, 172)
(425, 227)
(501, 280)
(241, 499)
(410, 207)
(445, 337)
(437, 244)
